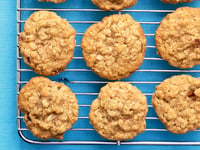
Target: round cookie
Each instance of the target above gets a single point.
(54, 1)
(177, 38)
(47, 43)
(114, 4)
(176, 1)
(50, 108)
(177, 103)
(114, 48)
(119, 112)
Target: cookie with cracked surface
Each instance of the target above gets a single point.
(47, 43)
(114, 4)
(177, 103)
(54, 1)
(119, 112)
(176, 1)
(114, 48)
(178, 39)
(50, 108)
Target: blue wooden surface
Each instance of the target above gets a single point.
(9, 139)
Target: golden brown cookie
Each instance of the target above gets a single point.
(50, 108)
(54, 1)
(119, 112)
(114, 48)
(47, 43)
(176, 1)
(178, 38)
(177, 103)
(114, 4)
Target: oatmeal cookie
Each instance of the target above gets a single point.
(119, 112)
(54, 1)
(114, 4)
(177, 103)
(176, 1)
(178, 38)
(114, 48)
(49, 108)
(47, 43)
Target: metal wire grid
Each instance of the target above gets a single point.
(20, 82)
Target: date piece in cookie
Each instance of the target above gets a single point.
(114, 4)
(178, 39)
(47, 43)
(177, 103)
(50, 108)
(114, 48)
(119, 112)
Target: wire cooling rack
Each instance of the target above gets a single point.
(86, 84)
